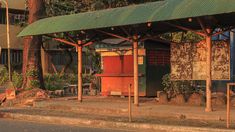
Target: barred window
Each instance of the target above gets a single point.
(158, 57)
(16, 57)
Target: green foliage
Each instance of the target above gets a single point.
(180, 37)
(57, 82)
(71, 78)
(62, 7)
(34, 83)
(87, 78)
(53, 82)
(177, 87)
(17, 79)
(3, 75)
(95, 59)
(32, 73)
(90, 79)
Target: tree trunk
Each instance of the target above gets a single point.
(32, 68)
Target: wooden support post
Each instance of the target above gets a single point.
(228, 106)
(136, 78)
(208, 72)
(79, 49)
(129, 105)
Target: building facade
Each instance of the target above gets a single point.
(17, 15)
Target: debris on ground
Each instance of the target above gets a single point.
(10, 93)
(195, 99)
(2, 98)
(26, 98)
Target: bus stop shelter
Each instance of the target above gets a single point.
(137, 23)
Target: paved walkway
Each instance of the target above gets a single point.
(147, 108)
(114, 109)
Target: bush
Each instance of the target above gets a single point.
(34, 83)
(71, 78)
(32, 73)
(54, 82)
(3, 75)
(17, 79)
(177, 87)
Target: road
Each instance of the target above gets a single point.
(22, 126)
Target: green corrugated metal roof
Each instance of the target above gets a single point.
(134, 14)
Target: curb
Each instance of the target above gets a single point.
(134, 112)
(101, 123)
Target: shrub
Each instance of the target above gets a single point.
(173, 88)
(71, 78)
(34, 83)
(32, 73)
(3, 75)
(17, 79)
(54, 82)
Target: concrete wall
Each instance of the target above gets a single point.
(15, 42)
(16, 4)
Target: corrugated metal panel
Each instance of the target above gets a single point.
(135, 14)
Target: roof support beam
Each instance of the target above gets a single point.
(156, 38)
(200, 21)
(186, 29)
(114, 35)
(224, 35)
(125, 31)
(65, 42)
(70, 38)
(87, 44)
(220, 32)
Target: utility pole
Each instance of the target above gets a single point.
(8, 37)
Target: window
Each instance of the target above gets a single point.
(14, 17)
(16, 57)
(2, 17)
(158, 57)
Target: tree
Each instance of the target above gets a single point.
(182, 37)
(62, 7)
(32, 69)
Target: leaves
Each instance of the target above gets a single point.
(17, 79)
(63, 7)
(178, 87)
(179, 37)
(3, 75)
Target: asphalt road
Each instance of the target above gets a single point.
(22, 126)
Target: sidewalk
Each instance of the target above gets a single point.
(147, 108)
(112, 112)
